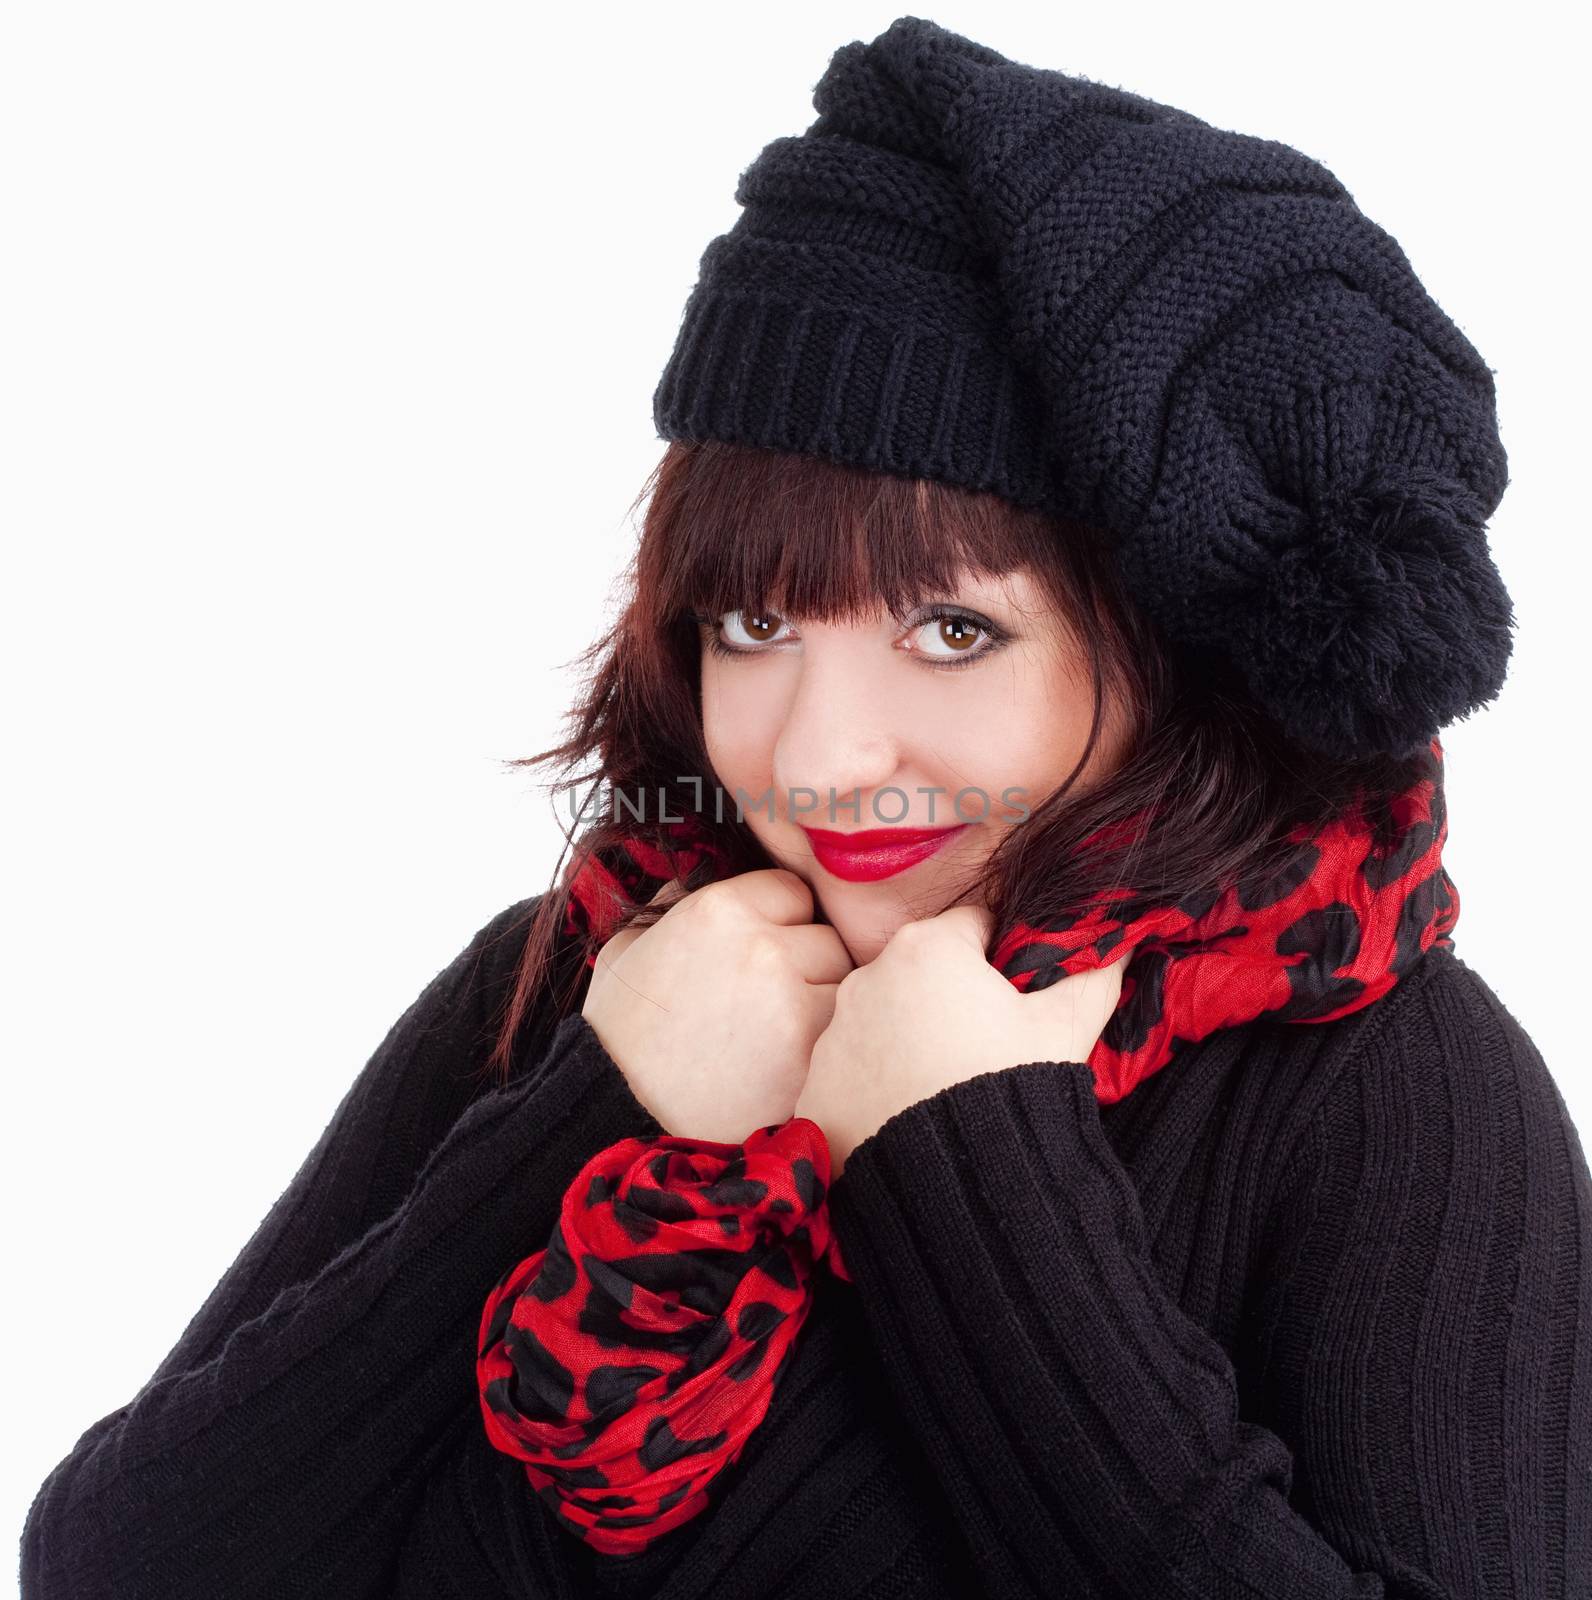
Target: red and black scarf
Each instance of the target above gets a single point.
(627, 1362)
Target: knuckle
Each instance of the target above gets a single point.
(762, 955)
(718, 903)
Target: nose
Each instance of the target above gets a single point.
(840, 732)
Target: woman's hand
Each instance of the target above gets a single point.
(930, 1011)
(712, 1012)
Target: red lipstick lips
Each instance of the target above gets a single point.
(876, 853)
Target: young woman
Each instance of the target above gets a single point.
(993, 1105)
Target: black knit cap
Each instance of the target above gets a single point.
(1012, 279)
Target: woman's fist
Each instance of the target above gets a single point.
(930, 1011)
(712, 1012)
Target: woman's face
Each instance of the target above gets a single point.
(982, 692)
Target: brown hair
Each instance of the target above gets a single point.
(730, 526)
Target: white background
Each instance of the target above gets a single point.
(329, 339)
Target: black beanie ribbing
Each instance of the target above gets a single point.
(1012, 279)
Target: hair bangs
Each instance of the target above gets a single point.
(741, 526)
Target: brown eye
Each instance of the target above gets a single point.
(757, 627)
(959, 633)
(950, 634)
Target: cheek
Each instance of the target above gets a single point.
(1022, 731)
(736, 725)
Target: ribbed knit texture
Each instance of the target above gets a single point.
(1308, 1314)
(1023, 281)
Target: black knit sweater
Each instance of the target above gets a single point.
(1309, 1313)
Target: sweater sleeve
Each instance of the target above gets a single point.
(1423, 1336)
(283, 1447)
(409, 1093)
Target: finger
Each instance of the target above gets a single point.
(820, 954)
(1110, 976)
(1106, 981)
(1089, 996)
(973, 922)
(775, 893)
(819, 999)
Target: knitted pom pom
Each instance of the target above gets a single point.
(1318, 514)
(1382, 621)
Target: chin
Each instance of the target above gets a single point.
(862, 948)
(863, 930)
(865, 915)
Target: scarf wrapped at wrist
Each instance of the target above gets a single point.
(627, 1363)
